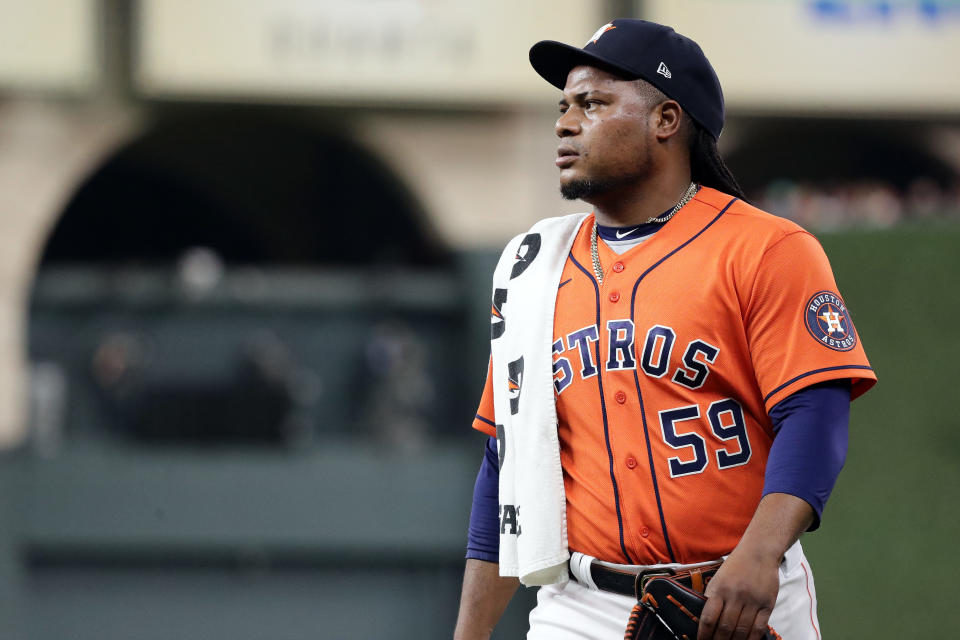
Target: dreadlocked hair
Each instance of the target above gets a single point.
(707, 167)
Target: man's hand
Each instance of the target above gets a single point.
(741, 596)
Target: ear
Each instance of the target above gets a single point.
(667, 118)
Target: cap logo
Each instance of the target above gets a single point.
(664, 71)
(602, 30)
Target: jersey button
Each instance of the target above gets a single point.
(645, 531)
(631, 462)
(618, 266)
(614, 296)
(620, 397)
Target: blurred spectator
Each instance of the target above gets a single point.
(262, 397)
(199, 271)
(860, 205)
(924, 199)
(399, 393)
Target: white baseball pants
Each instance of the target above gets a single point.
(576, 612)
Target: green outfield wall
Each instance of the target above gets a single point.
(896, 510)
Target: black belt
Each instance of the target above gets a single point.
(631, 584)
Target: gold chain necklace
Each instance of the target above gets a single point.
(595, 254)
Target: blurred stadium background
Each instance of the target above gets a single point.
(245, 255)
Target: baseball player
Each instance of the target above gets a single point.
(699, 365)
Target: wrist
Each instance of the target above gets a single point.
(759, 551)
(778, 522)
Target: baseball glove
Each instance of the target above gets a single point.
(667, 610)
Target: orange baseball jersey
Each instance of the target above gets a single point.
(664, 375)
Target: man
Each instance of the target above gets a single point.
(694, 370)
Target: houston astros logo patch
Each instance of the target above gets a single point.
(828, 321)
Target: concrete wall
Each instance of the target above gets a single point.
(46, 150)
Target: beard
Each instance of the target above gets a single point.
(589, 188)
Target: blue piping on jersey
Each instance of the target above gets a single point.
(636, 379)
(814, 372)
(603, 409)
(484, 420)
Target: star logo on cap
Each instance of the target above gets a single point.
(602, 30)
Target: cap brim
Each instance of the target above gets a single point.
(553, 61)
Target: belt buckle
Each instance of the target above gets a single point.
(640, 583)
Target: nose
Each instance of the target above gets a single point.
(567, 124)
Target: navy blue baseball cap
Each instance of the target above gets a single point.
(638, 49)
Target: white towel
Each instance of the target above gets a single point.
(533, 523)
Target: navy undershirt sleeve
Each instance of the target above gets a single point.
(810, 444)
(483, 536)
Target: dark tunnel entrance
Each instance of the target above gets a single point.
(245, 279)
(831, 151)
(254, 190)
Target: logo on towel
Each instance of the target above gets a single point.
(526, 253)
(515, 384)
(510, 519)
(501, 446)
(497, 324)
(828, 321)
